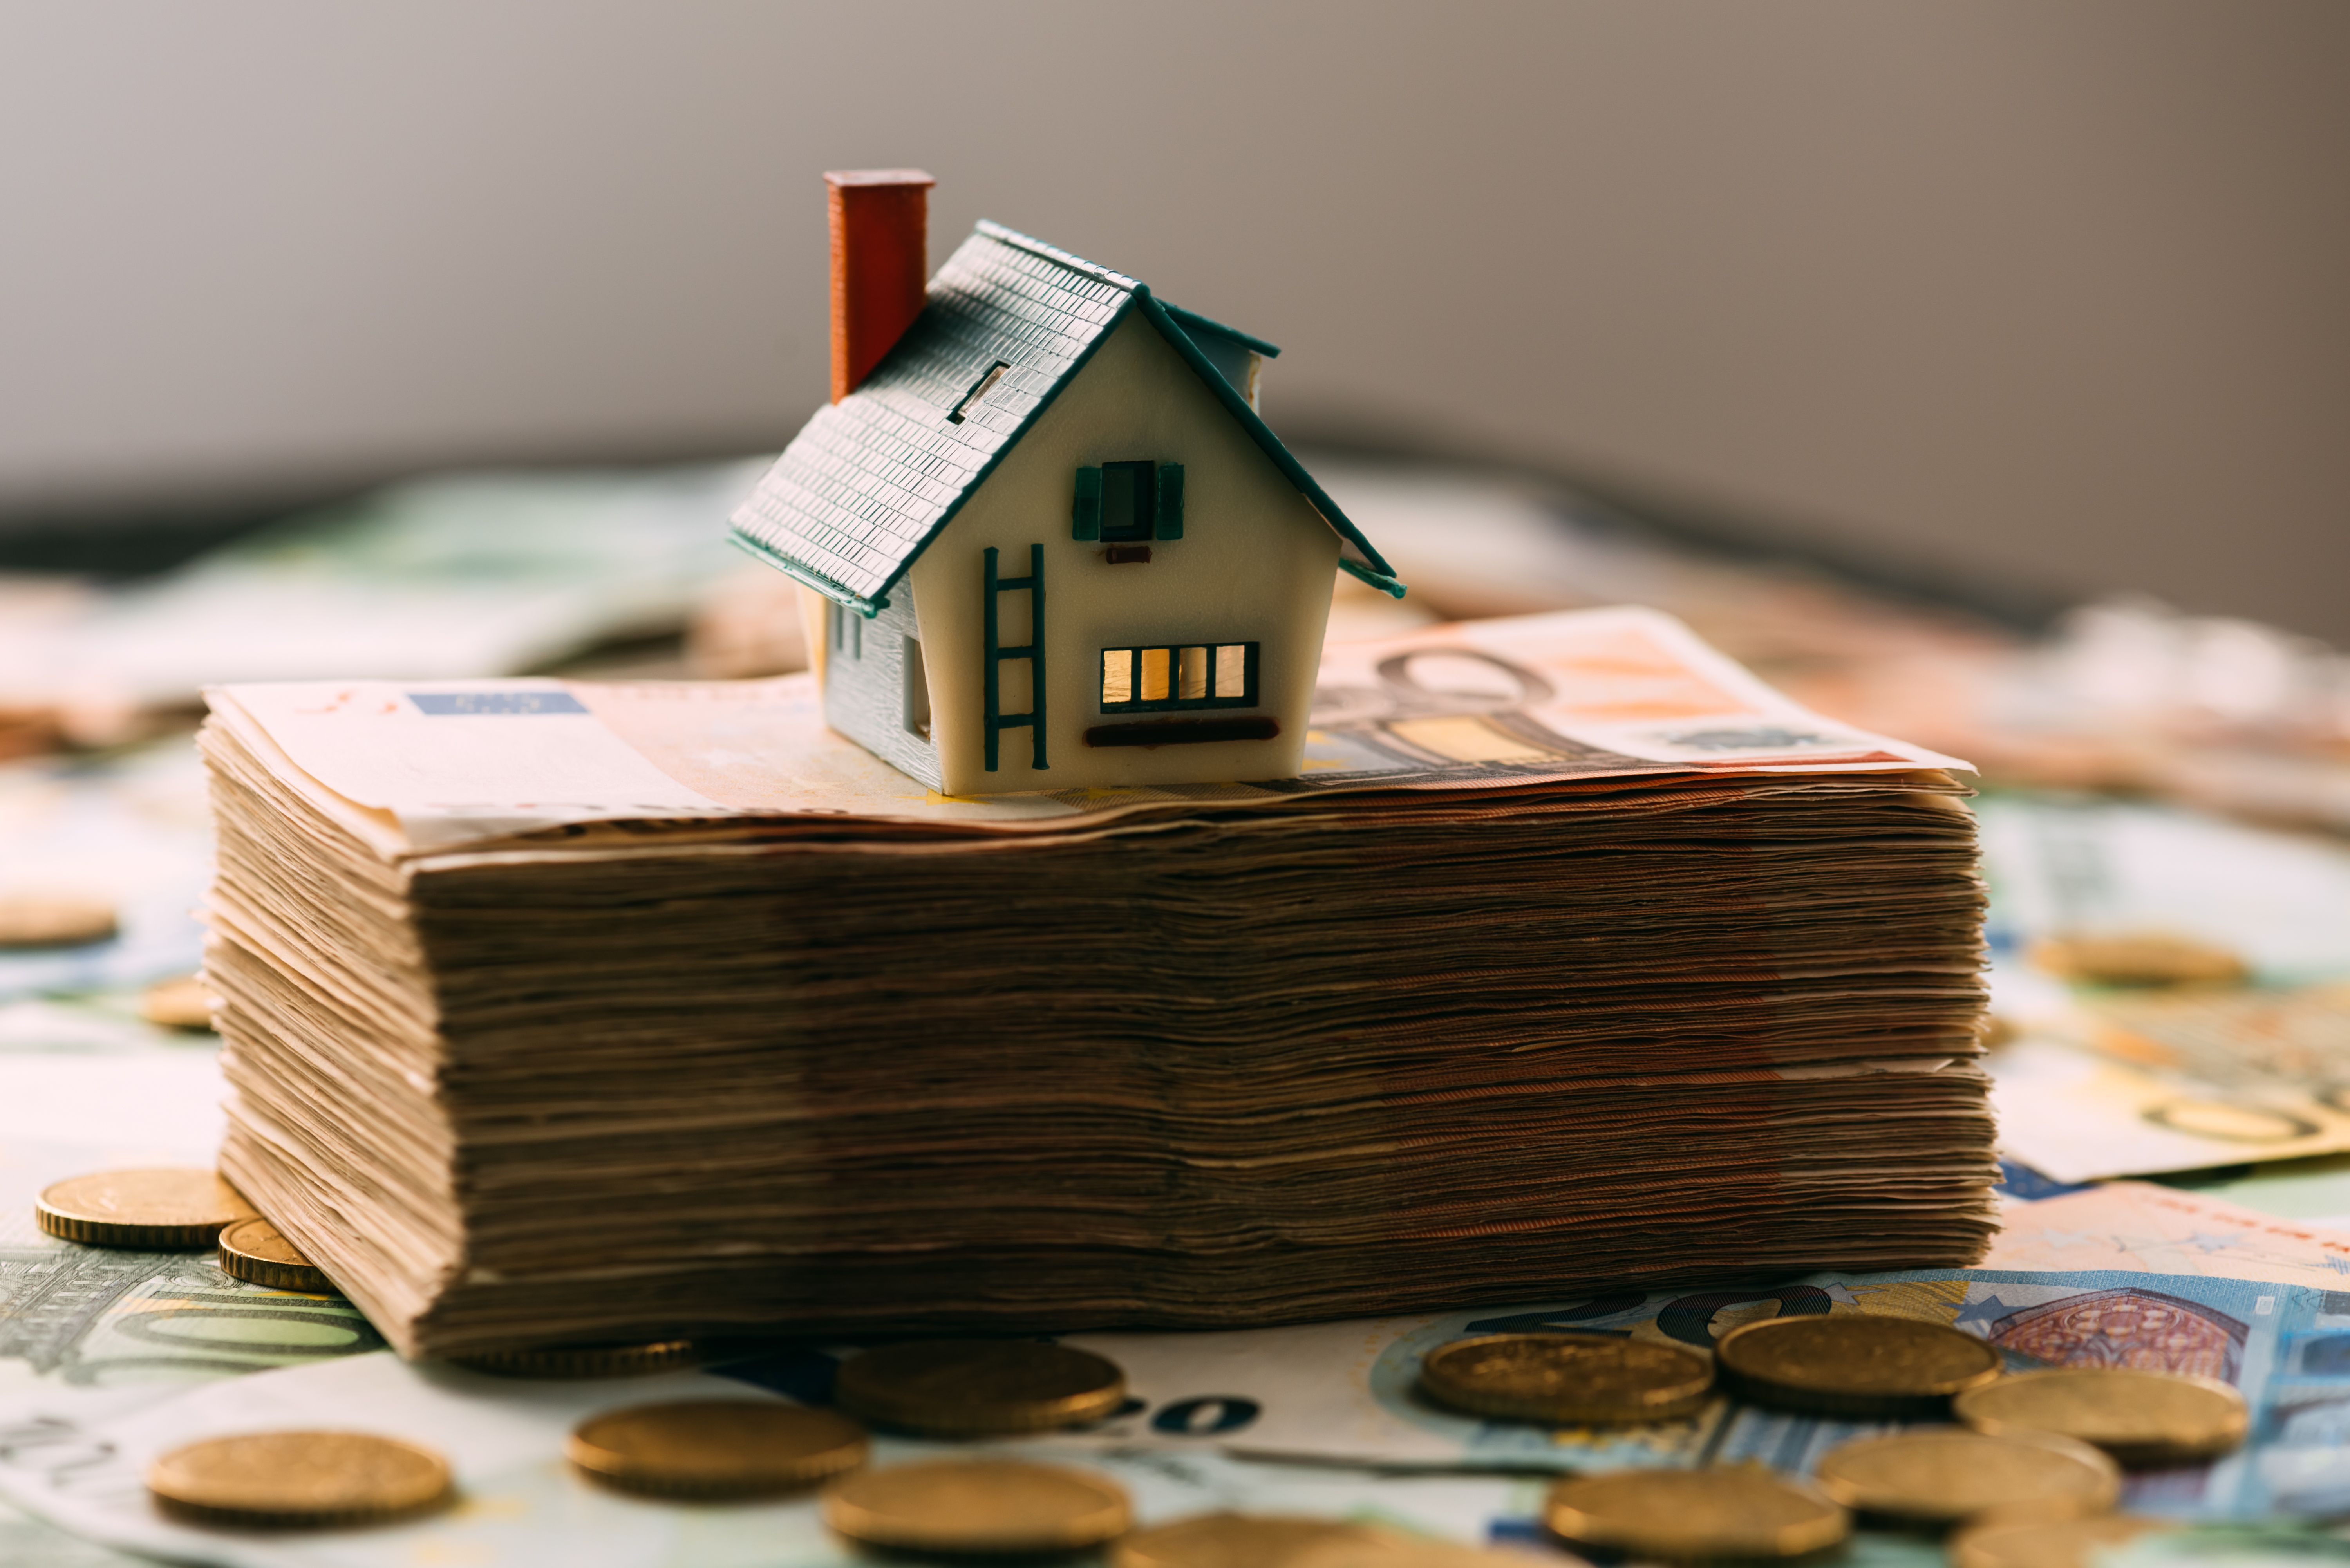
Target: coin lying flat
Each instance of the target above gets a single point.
(972, 1388)
(180, 1002)
(2139, 959)
(1564, 1379)
(634, 1359)
(1854, 1364)
(1362, 1547)
(715, 1447)
(1687, 1516)
(53, 920)
(2139, 1418)
(298, 1480)
(160, 1209)
(1944, 1475)
(255, 1250)
(977, 1506)
(1230, 1541)
(2045, 1543)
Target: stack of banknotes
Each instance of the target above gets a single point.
(558, 1012)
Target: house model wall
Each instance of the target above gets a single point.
(1055, 545)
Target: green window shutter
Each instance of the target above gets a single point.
(1169, 524)
(1085, 517)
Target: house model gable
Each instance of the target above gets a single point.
(1048, 541)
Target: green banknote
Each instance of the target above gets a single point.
(89, 1330)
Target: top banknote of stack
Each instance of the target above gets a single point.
(559, 1012)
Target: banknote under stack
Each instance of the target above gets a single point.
(1533, 1016)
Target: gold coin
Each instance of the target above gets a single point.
(298, 1480)
(1695, 1516)
(1854, 1364)
(2139, 1418)
(155, 1209)
(255, 1250)
(2140, 959)
(1566, 1379)
(974, 1387)
(2045, 1543)
(180, 1002)
(715, 1447)
(1230, 1540)
(556, 1361)
(53, 920)
(1354, 1546)
(1943, 1475)
(977, 1506)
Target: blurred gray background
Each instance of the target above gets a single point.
(2041, 294)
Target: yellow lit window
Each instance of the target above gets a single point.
(1235, 671)
(1191, 682)
(1195, 675)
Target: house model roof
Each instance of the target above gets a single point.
(873, 478)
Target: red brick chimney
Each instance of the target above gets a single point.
(880, 241)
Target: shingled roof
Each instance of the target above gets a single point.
(872, 479)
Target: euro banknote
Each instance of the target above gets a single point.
(84, 1087)
(415, 766)
(435, 576)
(521, 1505)
(2312, 1192)
(2068, 864)
(2140, 1227)
(1319, 1420)
(2079, 1113)
(1345, 1391)
(2106, 1082)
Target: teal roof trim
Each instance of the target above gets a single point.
(1371, 567)
(847, 598)
(1188, 318)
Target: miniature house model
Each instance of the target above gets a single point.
(1054, 545)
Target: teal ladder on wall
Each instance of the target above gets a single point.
(998, 721)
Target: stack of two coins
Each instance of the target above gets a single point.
(975, 1388)
(1581, 1379)
(173, 1208)
(709, 1450)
